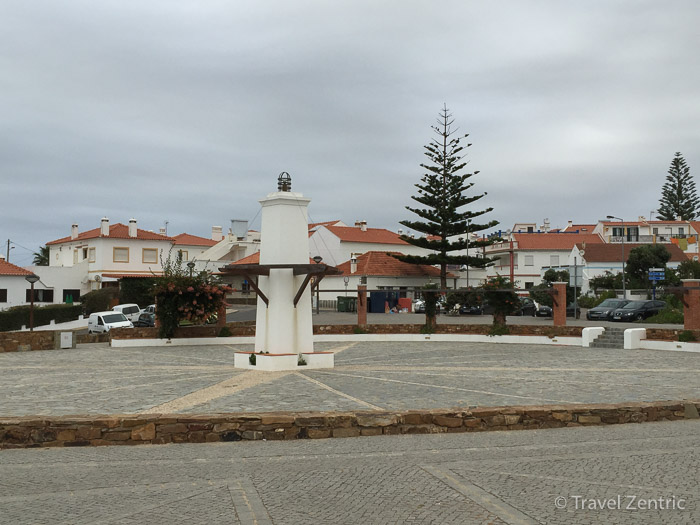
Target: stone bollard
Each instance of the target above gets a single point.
(559, 304)
(691, 304)
(362, 305)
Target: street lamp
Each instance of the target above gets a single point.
(31, 279)
(624, 294)
(190, 265)
(317, 259)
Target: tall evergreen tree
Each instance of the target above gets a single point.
(442, 192)
(678, 197)
(41, 258)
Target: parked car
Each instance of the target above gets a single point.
(150, 309)
(638, 310)
(419, 305)
(131, 310)
(102, 322)
(573, 309)
(475, 309)
(543, 311)
(605, 309)
(146, 319)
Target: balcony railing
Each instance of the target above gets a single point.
(645, 239)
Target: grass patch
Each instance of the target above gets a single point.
(668, 315)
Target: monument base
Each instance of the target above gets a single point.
(281, 362)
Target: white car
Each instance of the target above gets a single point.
(150, 309)
(131, 311)
(103, 322)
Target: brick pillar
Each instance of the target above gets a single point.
(362, 305)
(157, 323)
(221, 316)
(559, 304)
(691, 304)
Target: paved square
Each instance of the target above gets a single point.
(368, 376)
(494, 477)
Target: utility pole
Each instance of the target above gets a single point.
(8, 251)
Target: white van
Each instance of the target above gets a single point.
(131, 311)
(102, 322)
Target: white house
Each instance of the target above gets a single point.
(337, 244)
(14, 288)
(524, 257)
(596, 259)
(111, 252)
(683, 234)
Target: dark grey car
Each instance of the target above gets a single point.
(638, 310)
(605, 309)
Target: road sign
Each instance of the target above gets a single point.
(657, 274)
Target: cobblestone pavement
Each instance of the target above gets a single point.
(495, 477)
(374, 376)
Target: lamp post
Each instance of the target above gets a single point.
(190, 265)
(624, 293)
(317, 259)
(31, 279)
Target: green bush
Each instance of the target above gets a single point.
(668, 315)
(99, 300)
(587, 301)
(225, 332)
(673, 301)
(18, 316)
(686, 336)
(139, 290)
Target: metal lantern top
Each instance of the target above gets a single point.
(284, 182)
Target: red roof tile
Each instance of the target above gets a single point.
(554, 241)
(193, 240)
(313, 225)
(7, 268)
(371, 235)
(381, 263)
(582, 228)
(603, 252)
(116, 231)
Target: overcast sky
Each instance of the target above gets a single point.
(186, 112)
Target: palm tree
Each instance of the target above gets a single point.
(41, 258)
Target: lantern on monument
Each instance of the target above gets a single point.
(284, 182)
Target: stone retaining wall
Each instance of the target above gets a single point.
(64, 431)
(668, 334)
(25, 341)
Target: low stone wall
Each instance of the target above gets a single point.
(41, 431)
(668, 334)
(184, 332)
(26, 341)
(477, 329)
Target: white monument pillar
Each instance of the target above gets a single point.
(284, 239)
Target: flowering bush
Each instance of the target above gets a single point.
(183, 297)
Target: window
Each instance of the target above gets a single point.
(183, 254)
(529, 285)
(3, 295)
(554, 260)
(85, 253)
(681, 231)
(530, 229)
(633, 233)
(40, 296)
(120, 255)
(73, 294)
(618, 232)
(91, 255)
(655, 231)
(529, 260)
(149, 255)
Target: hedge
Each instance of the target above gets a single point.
(18, 316)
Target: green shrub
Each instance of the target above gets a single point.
(499, 329)
(18, 316)
(358, 330)
(225, 332)
(139, 290)
(668, 315)
(587, 301)
(98, 300)
(672, 300)
(687, 336)
(251, 359)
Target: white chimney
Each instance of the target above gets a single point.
(104, 227)
(161, 231)
(569, 225)
(74, 231)
(353, 263)
(2, 257)
(132, 228)
(216, 233)
(363, 226)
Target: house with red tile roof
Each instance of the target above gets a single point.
(596, 259)
(337, 244)
(683, 234)
(15, 290)
(524, 257)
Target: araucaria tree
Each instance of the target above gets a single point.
(442, 192)
(678, 197)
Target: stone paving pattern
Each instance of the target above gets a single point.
(368, 376)
(495, 477)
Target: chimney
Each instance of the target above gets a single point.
(74, 231)
(2, 257)
(104, 227)
(216, 233)
(362, 225)
(353, 263)
(569, 225)
(161, 231)
(132, 228)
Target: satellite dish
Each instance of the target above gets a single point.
(98, 278)
(582, 252)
